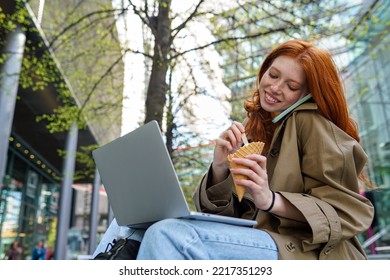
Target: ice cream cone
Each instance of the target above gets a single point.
(251, 148)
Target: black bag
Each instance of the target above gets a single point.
(122, 249)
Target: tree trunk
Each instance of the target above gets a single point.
(170, 118)
(157, 88)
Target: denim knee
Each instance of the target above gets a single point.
(169, 239)
(168, 228)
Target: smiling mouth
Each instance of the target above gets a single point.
(269, 99)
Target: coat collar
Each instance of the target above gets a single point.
(304, 107)
(308, 106)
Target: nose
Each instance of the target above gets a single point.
(276, 87)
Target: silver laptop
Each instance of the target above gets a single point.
(141, 183)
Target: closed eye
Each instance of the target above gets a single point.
(292, 88)
(272, 76)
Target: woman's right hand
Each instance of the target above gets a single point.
(228, 142)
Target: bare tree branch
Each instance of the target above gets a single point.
(147, 20)
(77, 22)
(230, 39)
(96, 84)
(176, 30)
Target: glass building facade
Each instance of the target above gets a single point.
(367, 85)
(29, 198)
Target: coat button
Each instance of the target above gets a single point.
(290, 247)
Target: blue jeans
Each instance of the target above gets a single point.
(182, 239)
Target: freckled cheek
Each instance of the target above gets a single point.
(293, 99)
(265, 83)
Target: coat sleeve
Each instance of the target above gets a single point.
(221, 199)
(330, 163)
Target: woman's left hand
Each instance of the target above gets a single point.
(257, 179)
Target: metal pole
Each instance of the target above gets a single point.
(66, 195)
(94, 213)
(9, 82)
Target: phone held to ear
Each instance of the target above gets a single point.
(292, 107)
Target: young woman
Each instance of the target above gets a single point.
(304, 188)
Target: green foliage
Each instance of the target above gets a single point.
(85, 160)
(81, 61)
(39, 70)
(373, 25)
(11, 22)
(37, 73)
(62, 118)
(85, 42)
(85, 66)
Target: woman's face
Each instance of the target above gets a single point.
(283, 84)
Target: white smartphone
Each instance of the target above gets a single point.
(292, 107)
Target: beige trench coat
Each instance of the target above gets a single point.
(315, 166)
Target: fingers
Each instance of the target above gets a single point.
(232, 135)
(253, 167)
(237, 129)
(227, 142)
(253, 161)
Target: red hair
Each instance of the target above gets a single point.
(323, 82)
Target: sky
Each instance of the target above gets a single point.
(206, 107)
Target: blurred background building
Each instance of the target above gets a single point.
(367, 85)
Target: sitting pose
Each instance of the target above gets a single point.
(303, 189)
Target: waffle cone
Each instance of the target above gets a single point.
(251, 148)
